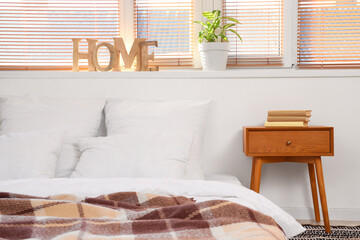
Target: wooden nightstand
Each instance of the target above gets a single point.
(292, 144)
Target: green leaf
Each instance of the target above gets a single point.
(224, 37)
(201, 23)
(216, 23)
(229, 25)
(211, 37)
(208, 15)
(231, 19)
(216, 13)
(201, 36)
(233, 31)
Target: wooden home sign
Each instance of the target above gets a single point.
(139, 51)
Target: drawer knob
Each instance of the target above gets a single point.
(288, 143)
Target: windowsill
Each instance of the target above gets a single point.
(184, 74)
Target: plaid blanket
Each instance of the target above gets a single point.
(130, 216)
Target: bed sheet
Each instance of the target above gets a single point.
(224, 178)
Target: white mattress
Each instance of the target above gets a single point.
(224, 178)
(199, 190)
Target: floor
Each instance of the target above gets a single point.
(332, 223)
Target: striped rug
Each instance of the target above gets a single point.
(337, 232)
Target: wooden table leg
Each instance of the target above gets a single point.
(320, 178)
(252, 174)
(257, 174)
(314, 191)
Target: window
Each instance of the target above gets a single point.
(329, 34)
(170, 23)
(37, 34)
(261, 31)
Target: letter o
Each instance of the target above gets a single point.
(112, 52)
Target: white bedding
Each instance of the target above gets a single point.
(199, 189)
(224, 178)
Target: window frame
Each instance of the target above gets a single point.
(126, 21)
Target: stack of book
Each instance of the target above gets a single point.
(288, 118)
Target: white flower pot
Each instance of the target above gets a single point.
(214, 55)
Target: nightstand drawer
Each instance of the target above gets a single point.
(289, 143)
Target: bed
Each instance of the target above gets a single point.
(200, 191)
(143, 180)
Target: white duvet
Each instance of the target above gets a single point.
(200, 190)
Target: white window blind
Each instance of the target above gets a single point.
(169, 23)
(329, 34)
(36, 34)
(261, 29)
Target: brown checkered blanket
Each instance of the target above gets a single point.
(130, 216)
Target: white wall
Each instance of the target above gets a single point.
(241, 98)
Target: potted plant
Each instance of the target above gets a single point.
(213, 44)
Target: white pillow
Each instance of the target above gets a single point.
(29, 154)
(135, 116)
(79, 117)
(146, 155)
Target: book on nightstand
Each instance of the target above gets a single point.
(286, 124)
(301, 113)
(288, 118)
